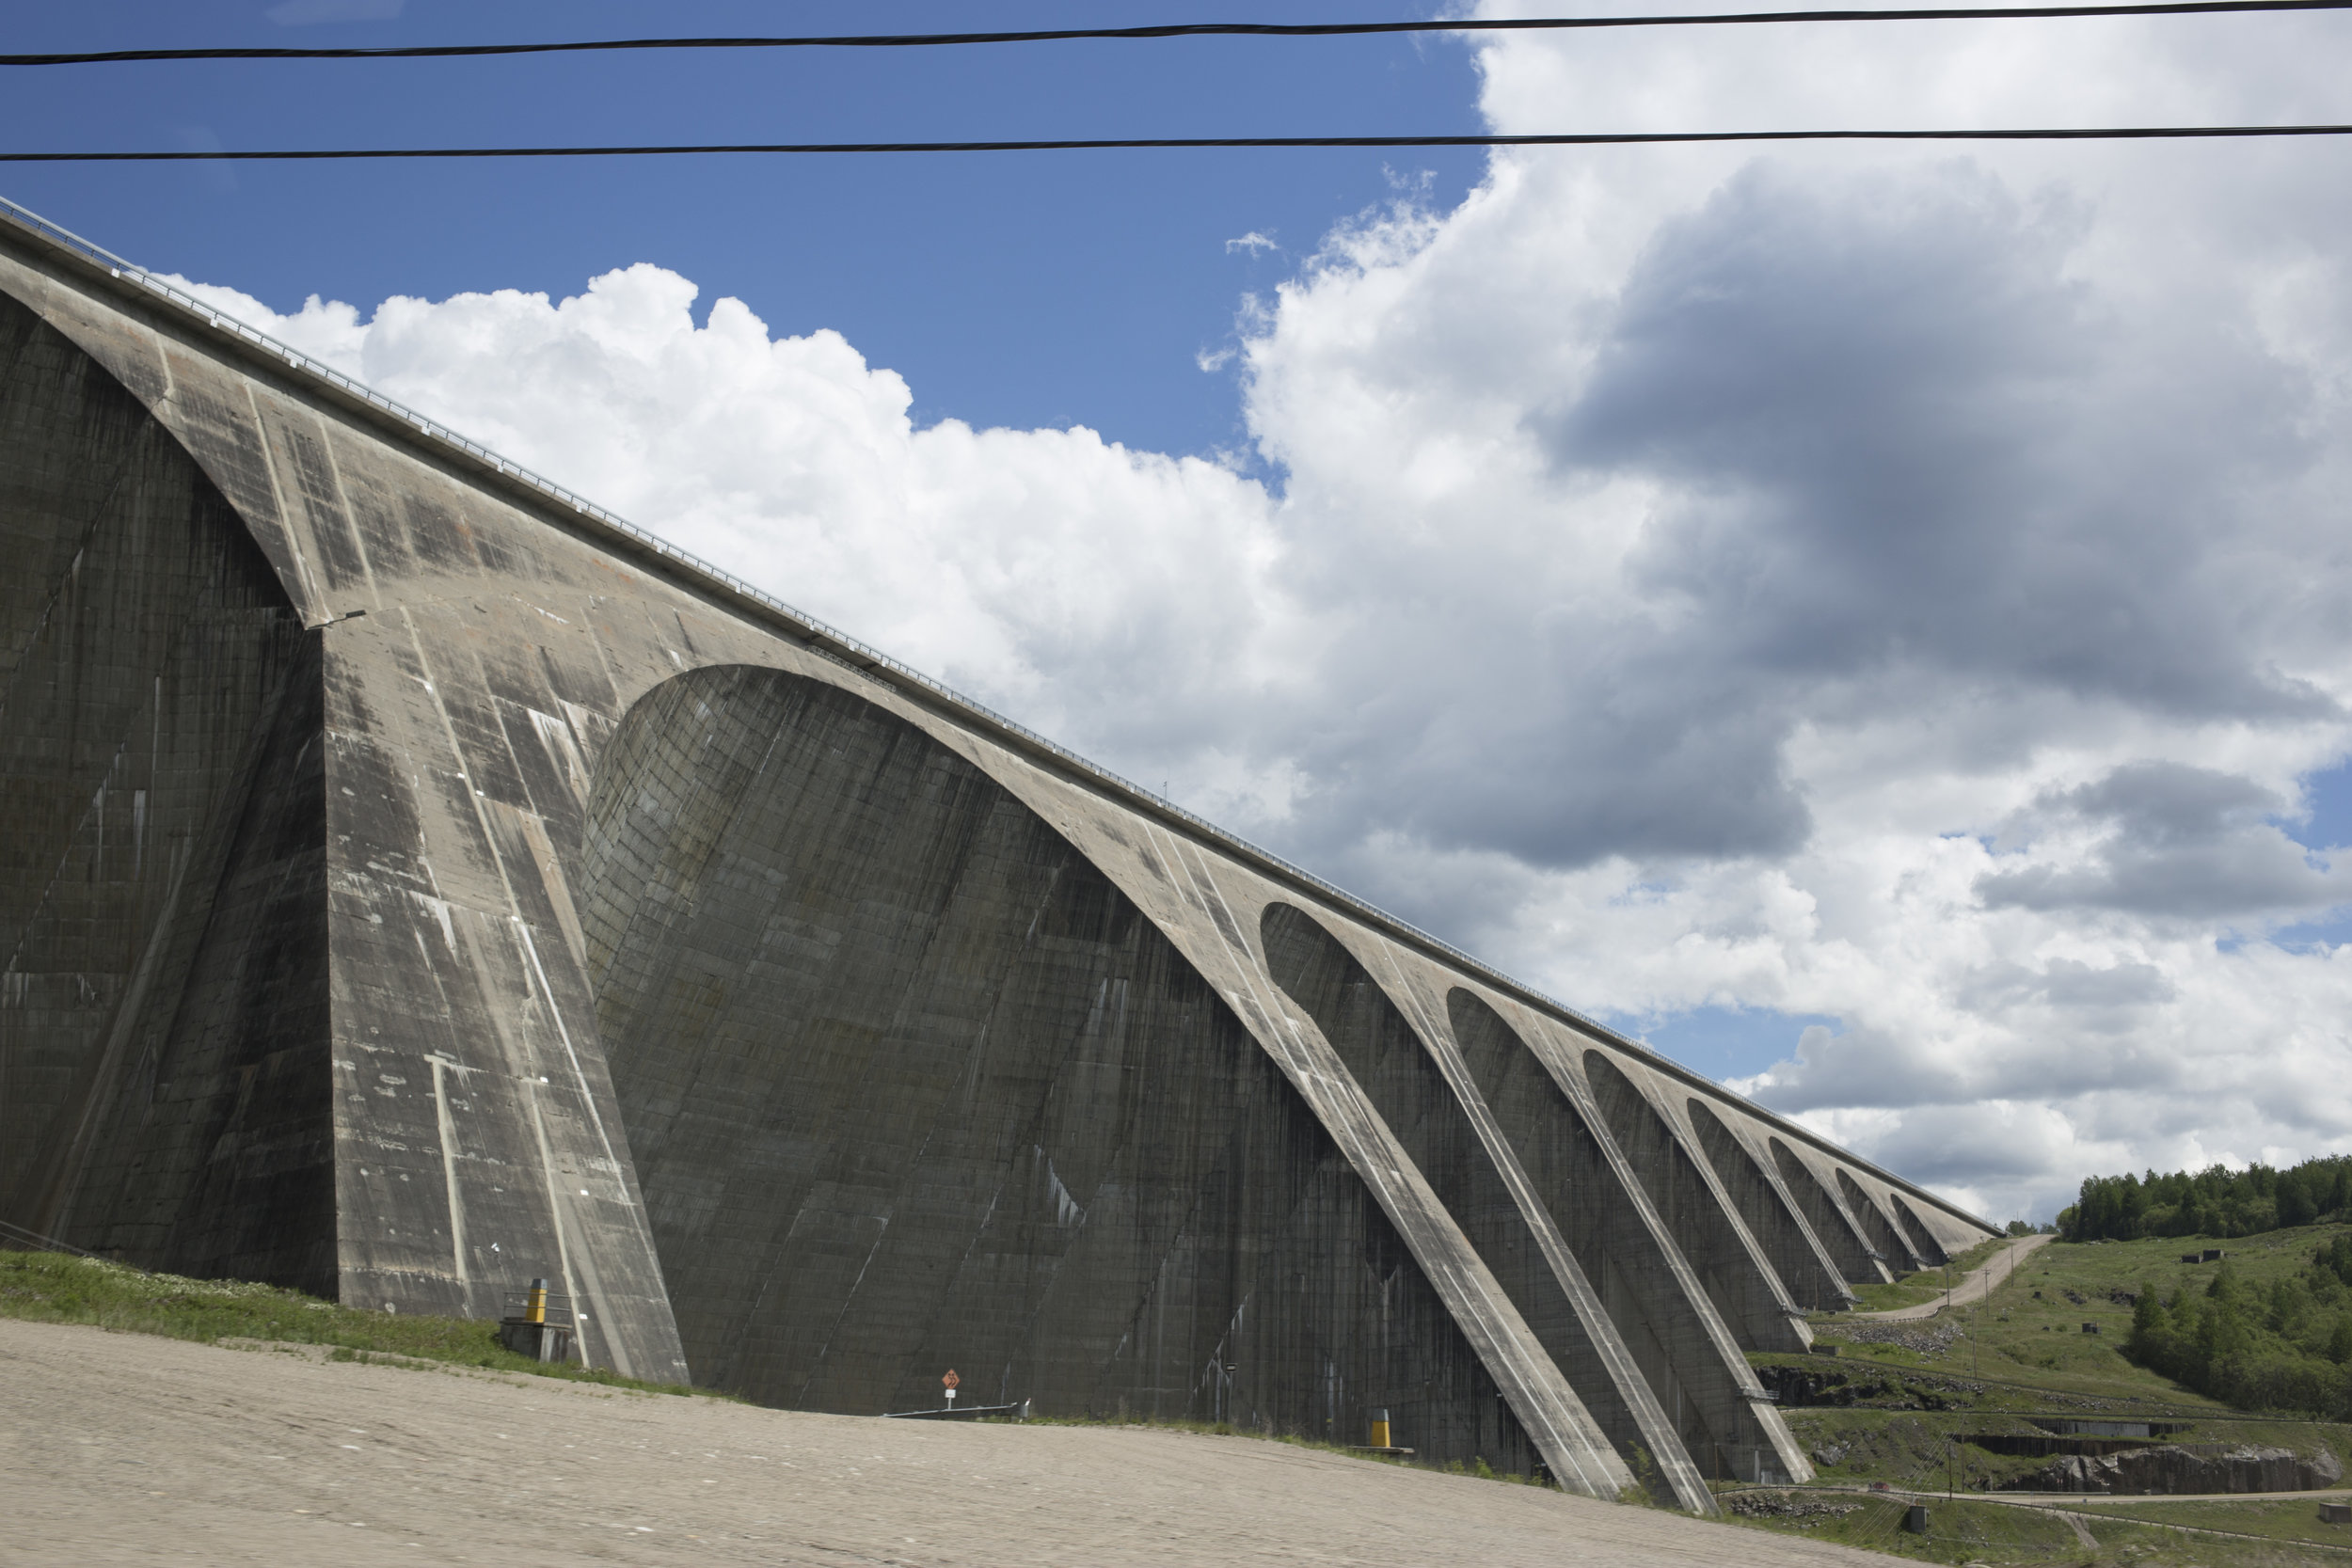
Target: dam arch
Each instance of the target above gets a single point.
(1392, 1064)
(1924, 1245)
(1839, 1230)
(1878, 1225)
(910, 1081)
(162, 940)
(1639, 1278)
(457, 1035)
(1805, 1270)
(1746, 1292)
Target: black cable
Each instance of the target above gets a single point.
(40, 1242)
(1188, 29)
(1592, 138)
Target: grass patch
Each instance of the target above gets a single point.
(1919, 1452)
(2029, 1334)
(2294, 1519)
(46, 1286)
(1957, 1532)
(1900, 1413)
(1961, 1531)
(1926, 1451)
(1911, 1290)
(2033, 1328)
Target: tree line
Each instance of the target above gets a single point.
(2216, 1202)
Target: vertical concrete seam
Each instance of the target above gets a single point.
(317, 607)
(358, 534)
(448, 1175)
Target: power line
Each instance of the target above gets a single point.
(1591, 138)
(16, 1237)
(1188, 29)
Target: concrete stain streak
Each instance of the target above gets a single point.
(441, 1068)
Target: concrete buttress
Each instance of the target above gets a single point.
(417, 881)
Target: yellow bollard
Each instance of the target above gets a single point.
(535, 1308)
(1380, 1427)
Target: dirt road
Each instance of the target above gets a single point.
(123, 1448)
(1974, 1285)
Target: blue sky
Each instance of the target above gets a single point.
(2327, 800)
(1889, 592)
(1021, 289)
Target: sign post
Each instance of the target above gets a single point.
(950, 1383)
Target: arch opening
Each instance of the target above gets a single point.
(1737, 1280)
(1624, 1265)
(1861, 1262)
(910, 1082)
(1931, 1252)
(1875, 1224)
(1807, 1275)
(1388, 1062)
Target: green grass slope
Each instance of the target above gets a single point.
(1897, 1402)
(2293, 1520)
(41, 1287)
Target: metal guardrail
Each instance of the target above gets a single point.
(874, 658)
(1019, 1412)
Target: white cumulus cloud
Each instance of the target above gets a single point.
(1900, 588)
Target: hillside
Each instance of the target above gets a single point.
(1899, 1402)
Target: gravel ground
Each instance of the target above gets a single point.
(127, 1449)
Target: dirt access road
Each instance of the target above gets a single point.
(1974, 1285)
(124, 1449)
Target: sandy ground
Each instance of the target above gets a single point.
(124, 1449)
(1974, 1285)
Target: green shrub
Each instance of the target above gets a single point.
(46, 1286)
(2280, 1348)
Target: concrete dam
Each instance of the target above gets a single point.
(418, 881)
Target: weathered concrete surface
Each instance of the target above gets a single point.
(162, 887)
(912, 1086)
(503, 898)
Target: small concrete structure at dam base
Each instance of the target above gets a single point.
(417, 882)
